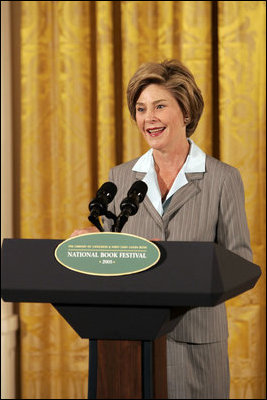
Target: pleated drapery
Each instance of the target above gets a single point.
(76, 59)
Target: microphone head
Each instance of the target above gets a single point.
(104, 196)
(138, 188)
(108, 189)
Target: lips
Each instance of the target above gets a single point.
(156, 131)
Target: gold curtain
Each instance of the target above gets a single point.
(241, 32)
(75, 62)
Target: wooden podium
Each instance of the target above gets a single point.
(126, 317)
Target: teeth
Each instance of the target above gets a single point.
(155, 130)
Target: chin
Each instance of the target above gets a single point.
(156, 146)
(152, 141)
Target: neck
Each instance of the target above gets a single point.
(173, 158)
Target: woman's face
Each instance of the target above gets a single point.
(160, 119)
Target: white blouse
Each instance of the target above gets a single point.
(195, 162)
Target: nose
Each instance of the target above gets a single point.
(150, 115)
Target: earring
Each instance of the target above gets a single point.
(186, 120)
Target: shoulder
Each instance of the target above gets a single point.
(122, 174)
(220, 168)
(127, 166)
(226, 178)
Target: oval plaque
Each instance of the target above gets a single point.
(107, 254)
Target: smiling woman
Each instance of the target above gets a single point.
(166, 103)
(191, 197)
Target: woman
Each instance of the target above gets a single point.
(191, 197)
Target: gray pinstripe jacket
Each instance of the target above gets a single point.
(209, 208)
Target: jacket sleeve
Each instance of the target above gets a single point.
(232, 228)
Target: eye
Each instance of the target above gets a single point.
(159, 106)
(140, 109)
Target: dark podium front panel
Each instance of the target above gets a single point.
(188, 274)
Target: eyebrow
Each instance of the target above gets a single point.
(153, 102)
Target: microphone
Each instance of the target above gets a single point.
(129, 206)
(105, 194)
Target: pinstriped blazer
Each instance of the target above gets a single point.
(209, 208)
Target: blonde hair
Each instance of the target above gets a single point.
(176, 78)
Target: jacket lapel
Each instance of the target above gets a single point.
(184, 194)
(179, 198)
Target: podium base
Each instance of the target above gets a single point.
(127, 369)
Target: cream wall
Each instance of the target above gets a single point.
(9, 321)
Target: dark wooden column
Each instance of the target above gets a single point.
(160, 368)
(119, 369)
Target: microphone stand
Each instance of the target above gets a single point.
(121, 220)
(95, 220)
(96, 223)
